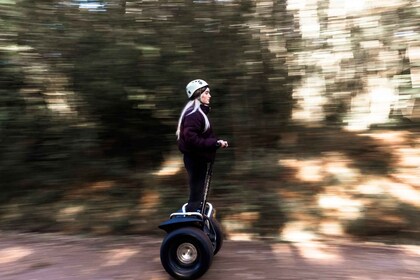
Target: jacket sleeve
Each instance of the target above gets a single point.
(193, 135)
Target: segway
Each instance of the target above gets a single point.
(192, 239)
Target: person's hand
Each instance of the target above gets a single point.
(222, 143)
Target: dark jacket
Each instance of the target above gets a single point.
(193, 140)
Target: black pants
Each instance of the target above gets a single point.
(197, 170)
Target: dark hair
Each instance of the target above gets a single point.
(198, 92)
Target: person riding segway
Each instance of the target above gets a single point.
(194, 235)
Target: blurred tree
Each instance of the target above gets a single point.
(91, 89)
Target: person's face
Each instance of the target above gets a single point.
(205, 97)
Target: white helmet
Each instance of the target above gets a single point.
(194, 85)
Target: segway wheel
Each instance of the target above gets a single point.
(216, 237)
(186, 253)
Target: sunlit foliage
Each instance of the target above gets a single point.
(318, 99)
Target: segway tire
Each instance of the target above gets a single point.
(218, 232)
(186, 253)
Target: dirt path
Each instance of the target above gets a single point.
(54, 257)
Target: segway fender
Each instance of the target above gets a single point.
(178, 222)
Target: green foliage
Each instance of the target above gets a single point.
(93, 94)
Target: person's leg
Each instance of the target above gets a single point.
(197, 174)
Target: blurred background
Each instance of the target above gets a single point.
(319, 100)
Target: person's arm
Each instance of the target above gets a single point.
(192, 135)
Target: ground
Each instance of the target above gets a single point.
(28, 256)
